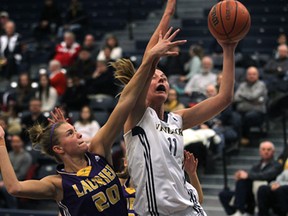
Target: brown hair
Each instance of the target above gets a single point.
(44, 138)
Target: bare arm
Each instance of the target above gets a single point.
(43, 189)
(214, 105)
(163, 25)
(162, 28)
(190, 166)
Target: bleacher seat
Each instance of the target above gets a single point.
(101, 117)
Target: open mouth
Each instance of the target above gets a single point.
(161, 88)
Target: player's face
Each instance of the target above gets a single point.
(159, 88)
(70, 140)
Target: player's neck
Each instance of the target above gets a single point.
(159, 109)
(74, 164)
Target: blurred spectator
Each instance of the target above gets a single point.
(75, 95)
(199, 82)
(274, 195)
(30, 118)
(102, 81)
(4, 124)
(57, 77)
(4, 18)
(277, 71)
(76, 20)
(21, 161)
(173, 104)
(86, 124)
(250, 101)
(226, 124)
(84, 66)
(266, 170)
(174, 65)
(13, 119)
(90, 45)
(67, 51)
(46, 93)
(50, 20)
(10, 51)
(23, 92)
(116, 51)
(281, 39)
(193, 66)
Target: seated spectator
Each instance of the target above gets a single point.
(50, 20)
(13, 119)
(116, 51)
(57, 77)
(4, 124)
(226, 124)
(10, 51)
(67, 51)
(90, 45)
(193, 66)
(21, 161)
(84, 66)
(250, 101)
(102, 81)
(4, 18)
(75, 95)
(266, 170)
(23, 92)
(173, 104)
(281, 39)
(46, 93)
(276, 72)
(274, 195)
(174, 65)
(34, 115)
(86, 124)
(199, 82)
(76, 20)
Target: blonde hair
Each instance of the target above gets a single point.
(44, 138)
(124, 70)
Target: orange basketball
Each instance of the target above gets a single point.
(229, 21)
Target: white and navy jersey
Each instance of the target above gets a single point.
(155, 155)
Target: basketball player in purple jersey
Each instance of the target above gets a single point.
(86, 183)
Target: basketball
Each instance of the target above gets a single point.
(229, 21)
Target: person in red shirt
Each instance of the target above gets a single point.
(67, 51)
(57, 78)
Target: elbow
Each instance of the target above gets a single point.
(227, 99)
(13, 190)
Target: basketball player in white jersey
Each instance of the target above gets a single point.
(154, 139)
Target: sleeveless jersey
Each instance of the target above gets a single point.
(155, 154)
(93, 190)
(129, 194)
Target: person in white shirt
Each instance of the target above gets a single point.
(86, 125)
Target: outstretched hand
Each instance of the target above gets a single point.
(57, 116)
(190, 162)
(165, 43)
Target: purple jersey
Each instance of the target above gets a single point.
(129, 194)
(93, 190)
